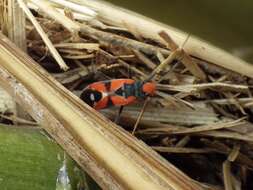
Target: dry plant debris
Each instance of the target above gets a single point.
(200, 119)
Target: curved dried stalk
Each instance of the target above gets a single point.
(3, 16)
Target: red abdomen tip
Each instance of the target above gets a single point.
(149, 88)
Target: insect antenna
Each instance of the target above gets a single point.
(117, 118)
(175, 53)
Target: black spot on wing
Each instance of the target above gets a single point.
(110, 103)
(119, 92)
(107, 85)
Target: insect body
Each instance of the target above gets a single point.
(116, 92)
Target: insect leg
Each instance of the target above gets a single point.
(140, 115)
(118, 115)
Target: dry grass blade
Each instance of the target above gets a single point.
(16, 21)
(226, 134)
(224, 149)
(227, 175)
(237, 184)
(171, 115)
(192, 66)
(71, 76)
(183, 56)
(144, 59)
(198, 87)
(87, 46)
(160, 67)
(76, 7)
(170, 43)
(234, 153)
(182, 150)
(76, 15)
(233, 100)
(217, 134)
(3, 18)
(44, 36)
(75, 57)
(159, 130)
(243, 101)
(52, 12)
(211, 127)
(183, 141)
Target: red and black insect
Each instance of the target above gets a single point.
(116, 92)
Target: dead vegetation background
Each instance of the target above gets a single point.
(201, 116)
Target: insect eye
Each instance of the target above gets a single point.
(96, 96)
